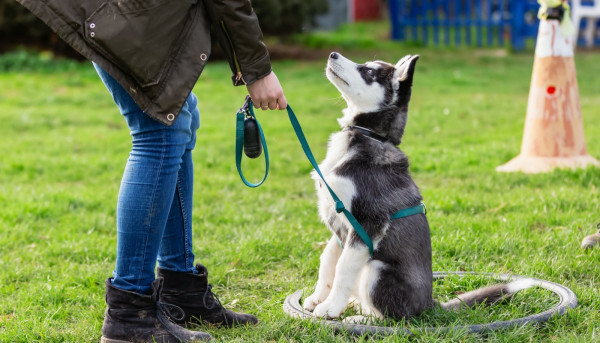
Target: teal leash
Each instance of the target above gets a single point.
(248, 112)
(339, 205)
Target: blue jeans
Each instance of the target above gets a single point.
(154, 208)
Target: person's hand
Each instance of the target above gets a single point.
(266, 93)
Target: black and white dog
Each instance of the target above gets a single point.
(369, 173)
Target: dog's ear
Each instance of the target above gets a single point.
(405, 68)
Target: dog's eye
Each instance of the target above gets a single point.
(371, 72)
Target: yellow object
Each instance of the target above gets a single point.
(566, 25)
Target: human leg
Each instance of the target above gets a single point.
(145, 201)
(148, 188)
(176, 250)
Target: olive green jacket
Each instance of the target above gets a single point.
(156, 49)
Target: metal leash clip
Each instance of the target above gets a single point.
(245, 109)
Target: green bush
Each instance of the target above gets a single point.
(16, 21)
(19, 28)
(284, 17)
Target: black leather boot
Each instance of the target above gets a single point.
(194, 295)
(134, 317)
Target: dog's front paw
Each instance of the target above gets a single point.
(330, 309)
(311, 302)
(354, 302)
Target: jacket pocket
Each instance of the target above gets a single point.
(139, 36)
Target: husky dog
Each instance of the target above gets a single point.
(369, 174)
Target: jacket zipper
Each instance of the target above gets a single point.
(238, 76)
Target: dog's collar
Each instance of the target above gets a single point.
(366, 132)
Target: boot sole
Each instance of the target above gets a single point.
(109, 340)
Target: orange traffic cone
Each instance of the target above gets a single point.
(553, 136)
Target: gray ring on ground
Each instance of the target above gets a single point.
(568, 300)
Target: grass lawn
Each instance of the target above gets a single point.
(63, 147)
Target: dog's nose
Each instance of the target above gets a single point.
(334, 56)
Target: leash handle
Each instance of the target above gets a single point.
(248, 111)
(339, 205)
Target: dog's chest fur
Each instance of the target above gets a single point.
(370, 178)
(337, 154)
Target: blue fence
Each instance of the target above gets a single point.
(465, 22)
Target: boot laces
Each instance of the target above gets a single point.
(215, 303)
(172, 311)
(209, 295)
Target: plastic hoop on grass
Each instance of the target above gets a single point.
(568, 300)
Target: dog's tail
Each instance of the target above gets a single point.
(488, 295)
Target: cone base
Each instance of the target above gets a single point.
(535, 164)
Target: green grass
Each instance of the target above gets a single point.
(63, 148)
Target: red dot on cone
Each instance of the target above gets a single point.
(551, 89)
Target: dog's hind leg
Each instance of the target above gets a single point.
(367, 283)
(348, 269)
(329, 259)
(364, 288)
(354, 300)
